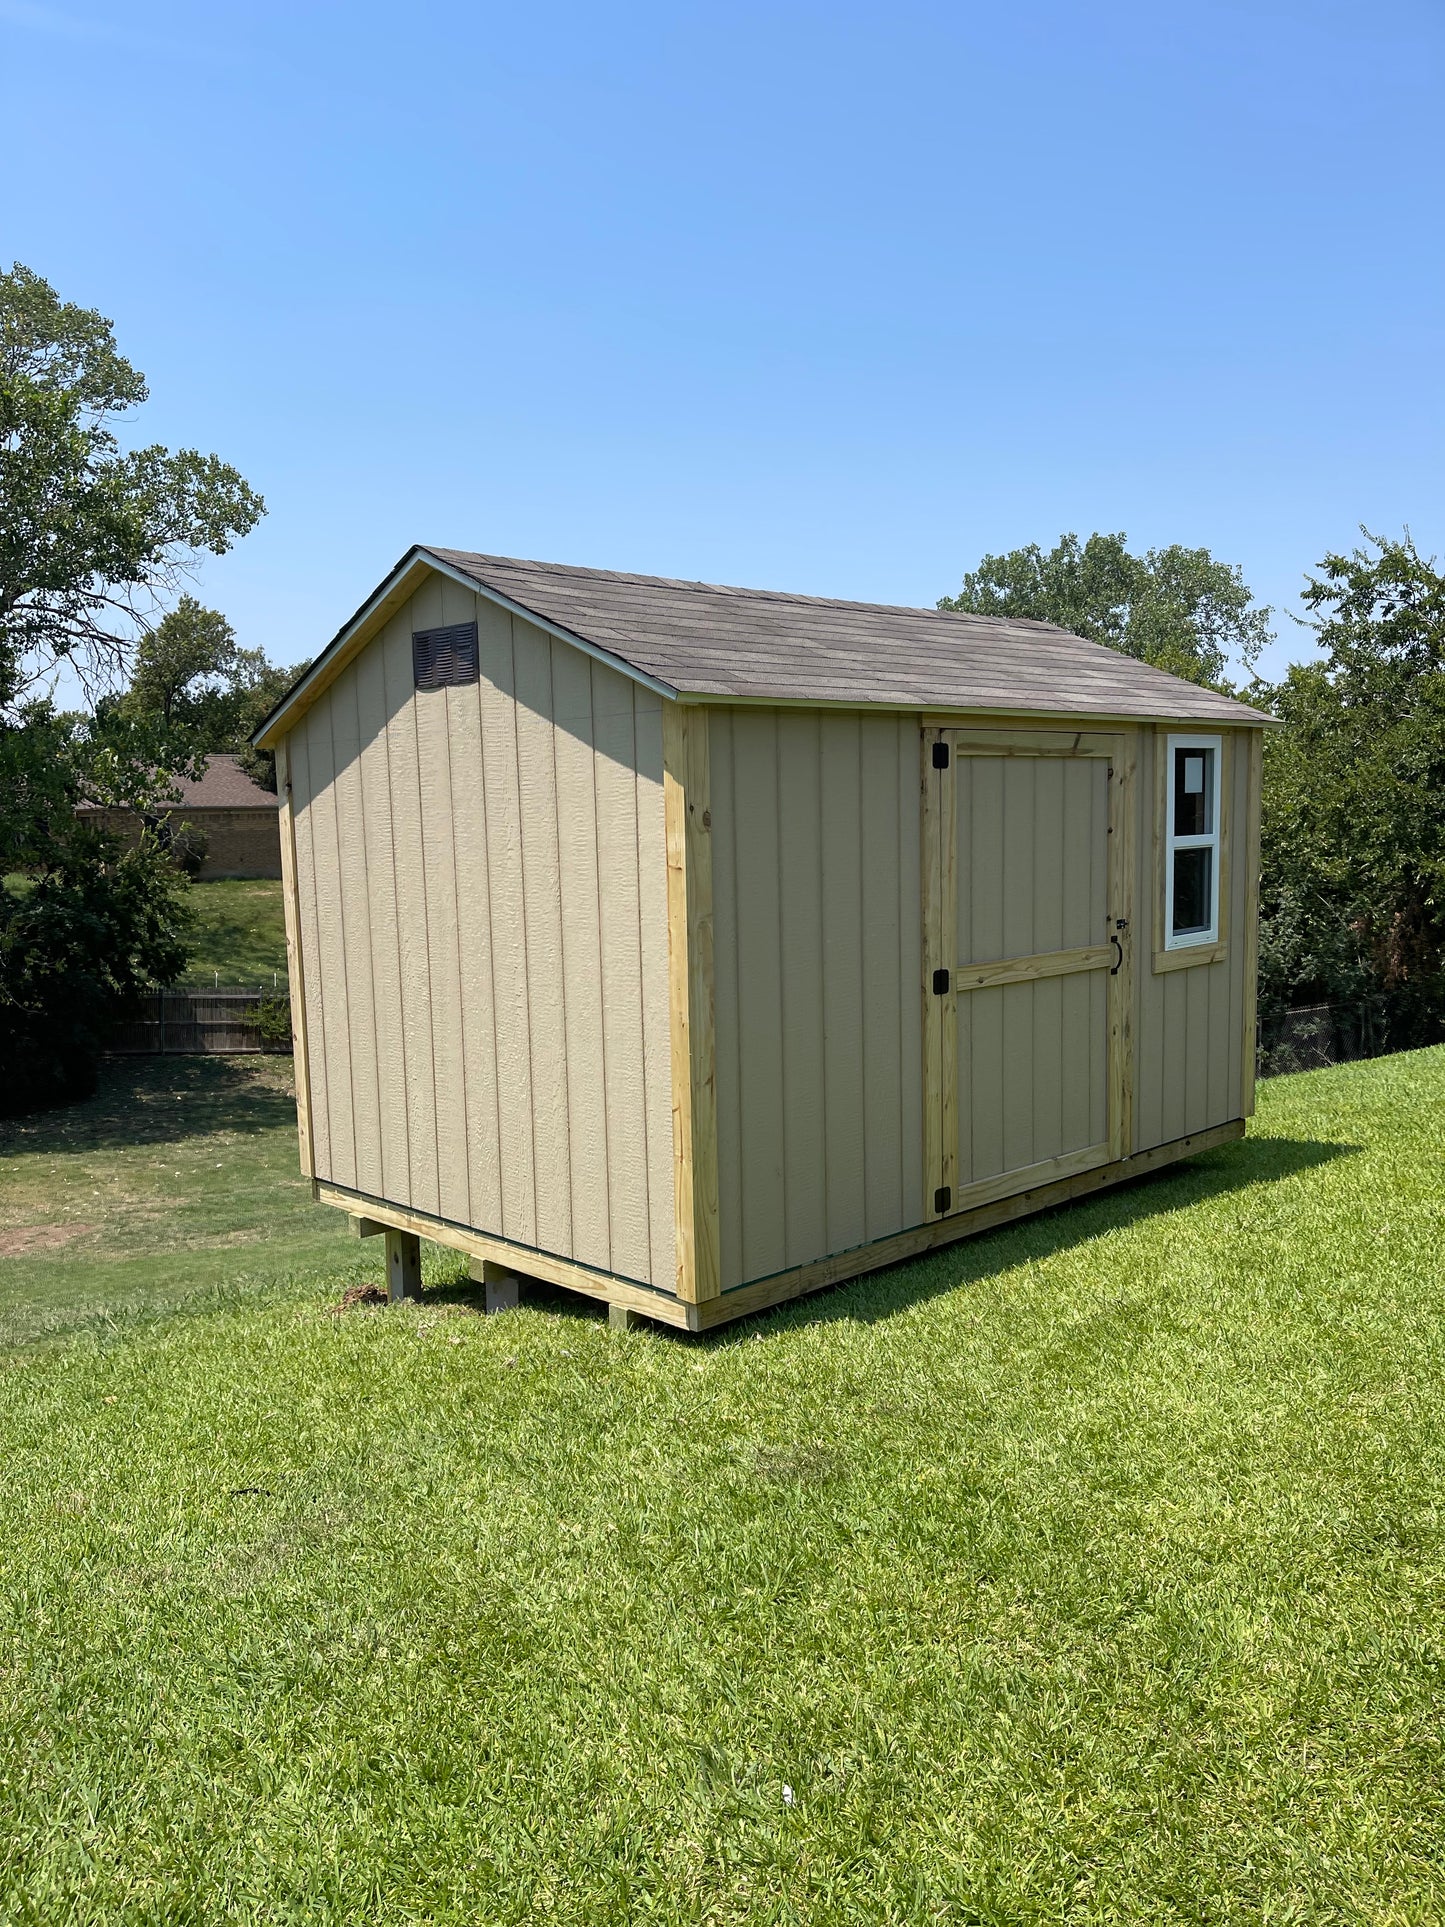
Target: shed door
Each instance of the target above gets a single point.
(1025, 956)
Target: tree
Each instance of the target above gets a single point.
(93, 540)
(198, 692)
(1176, 608)
(1353, 843)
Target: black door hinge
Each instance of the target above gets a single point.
(940, 755)
(943, 1197)
(940, 983)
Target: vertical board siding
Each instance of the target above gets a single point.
(726, 1022)
(579, 901)
(430, 608)
(1189, 1022)
(1032, 877)
(482, 885)
(818, 942)
(384, 947)
(350, 818)
(502, 835)
(303, 823)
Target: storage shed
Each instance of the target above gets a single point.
(695, 947)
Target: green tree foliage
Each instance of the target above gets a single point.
(195, 691)
(97, 928)
(1354, 800)
(94, 539)
(93, 536)
(1176, 608)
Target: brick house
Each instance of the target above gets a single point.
(233, 820)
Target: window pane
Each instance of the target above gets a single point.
(1193, 876)
(1193, 792)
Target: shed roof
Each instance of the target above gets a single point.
(704, 640)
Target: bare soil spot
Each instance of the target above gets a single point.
(39, 1237)
(359, 1298)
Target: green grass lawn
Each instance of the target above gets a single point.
(1091, 1571)
(239, 934)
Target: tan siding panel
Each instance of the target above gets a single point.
(842, 980)
(503, 808)
(581, 924)
(801, 912)
(546, 994)
(620, 946)
(883, 991)
(817, 921)
(760, 1044)
(385, 955)
(466, 755)
(356, 930)
(439, 878)
(331, 946)
(725, 956)
(416, 1010)
(303, 819)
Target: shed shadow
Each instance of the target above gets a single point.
(881, 1294)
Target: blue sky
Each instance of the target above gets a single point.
(829, 298)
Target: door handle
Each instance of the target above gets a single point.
(1120, 923)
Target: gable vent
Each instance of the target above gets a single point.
(440, 657)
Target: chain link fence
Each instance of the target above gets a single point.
(1316, 1035)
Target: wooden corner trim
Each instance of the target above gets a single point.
(687, 810)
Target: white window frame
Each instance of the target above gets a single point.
(1193, 939)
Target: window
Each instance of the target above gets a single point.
(440, 657)
(1191, 860)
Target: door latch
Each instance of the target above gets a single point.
(1120, 923)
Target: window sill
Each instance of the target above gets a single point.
(1190, 956)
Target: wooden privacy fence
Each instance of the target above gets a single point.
(183, 1023)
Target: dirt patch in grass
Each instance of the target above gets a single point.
(39, 1237)
(359, 1298)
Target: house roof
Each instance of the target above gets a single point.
(705, 641)
(223, 785)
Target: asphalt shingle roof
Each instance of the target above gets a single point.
(703, 639)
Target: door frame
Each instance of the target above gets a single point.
(939, 830)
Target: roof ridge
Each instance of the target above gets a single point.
(736, 589)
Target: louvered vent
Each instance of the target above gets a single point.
(440, 657)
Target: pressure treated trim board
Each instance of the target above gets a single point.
(688, 814)
(1250, 862)
(1124, 919)
(1024, 970)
